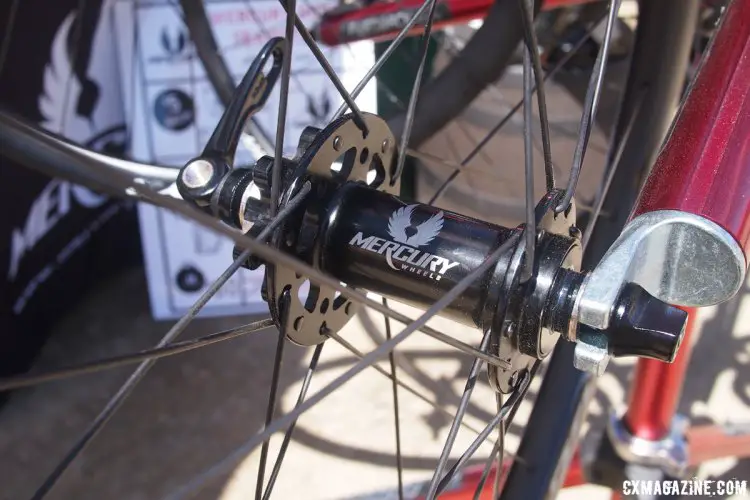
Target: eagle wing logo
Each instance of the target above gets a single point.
(400, 220)
(58, 75)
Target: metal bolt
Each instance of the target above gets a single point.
(574, 232)
(337, 143)
(385, 145)
(197, 173)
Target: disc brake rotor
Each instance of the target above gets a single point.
(327, 158)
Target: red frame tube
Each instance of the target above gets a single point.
(704, 169)
(709, 442)
(332, 29)
(470, 479)
(704, 166)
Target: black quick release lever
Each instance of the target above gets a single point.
(201, 177)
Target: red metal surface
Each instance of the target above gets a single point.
(379, 19)
(655, 391)
(704, 167)
(470, 480)
(711, 441)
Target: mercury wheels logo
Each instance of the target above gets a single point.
(400, 221)
(403, 254)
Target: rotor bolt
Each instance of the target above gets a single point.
(337, 143)
(384, 147)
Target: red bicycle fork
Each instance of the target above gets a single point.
(703, 169)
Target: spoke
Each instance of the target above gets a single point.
(400, 383)
(560, 64)
(412, 107)
(286, 68)
(11, 383)
(290, 431)
(497, 451)
(264, 30)
(462, 406)
(432, 158)
(385, 56)
(461, 346)
(532, 47)
(270, 410)
(529, 232)
(601, 195)
(501, 445)
(369, 359)
(396, 420)
(540, 149)
(501, 415)
(590, 105)
(486, 471)
(390, 94)
(310, 42)
(116, 401)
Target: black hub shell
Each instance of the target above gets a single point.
(411, 252)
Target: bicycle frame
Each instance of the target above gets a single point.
(382, 20)
(703, 168)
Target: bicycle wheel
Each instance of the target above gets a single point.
(317, 217)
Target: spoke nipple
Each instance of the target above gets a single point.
(337, 143)
(384, 147)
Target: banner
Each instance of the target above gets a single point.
(58, 239)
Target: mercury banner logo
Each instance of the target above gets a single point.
(402, 253)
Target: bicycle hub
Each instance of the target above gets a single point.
(353, 226)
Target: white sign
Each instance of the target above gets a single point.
(172, 110)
